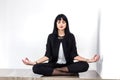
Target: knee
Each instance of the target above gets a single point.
(35, 69)
(41, 69)
(85, 66)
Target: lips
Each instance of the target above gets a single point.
(61, 26)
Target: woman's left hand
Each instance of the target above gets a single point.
(94, 59)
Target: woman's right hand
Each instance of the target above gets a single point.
(26, 61)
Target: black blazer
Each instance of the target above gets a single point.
(69, 48)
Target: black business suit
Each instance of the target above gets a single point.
(70, 51)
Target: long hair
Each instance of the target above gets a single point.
(55, 30)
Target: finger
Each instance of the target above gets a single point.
(27, 59)
(97, 58)
(95, 55)
(24, 61)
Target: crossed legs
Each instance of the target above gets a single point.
(63, 71)
(48, 69)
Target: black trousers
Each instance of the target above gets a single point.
(47, 68)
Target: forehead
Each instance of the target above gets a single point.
(61, 19)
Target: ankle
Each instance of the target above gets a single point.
(62, 69)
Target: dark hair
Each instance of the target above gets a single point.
(55, 30)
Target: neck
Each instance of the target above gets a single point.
(61, 33)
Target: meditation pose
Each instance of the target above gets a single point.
(60, 53)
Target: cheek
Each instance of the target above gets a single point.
(58, 25)
(64, 25)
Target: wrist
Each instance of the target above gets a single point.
(87, 60)
(35, 63)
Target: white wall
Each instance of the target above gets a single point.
(25, 25)
(110, 38)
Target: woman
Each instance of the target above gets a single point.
(60, 53)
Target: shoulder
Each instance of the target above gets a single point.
(71, 35)
(51, 36)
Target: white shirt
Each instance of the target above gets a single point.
(61, 57)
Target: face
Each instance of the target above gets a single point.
(61, 24)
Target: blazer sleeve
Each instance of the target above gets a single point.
(73, 49)
(48, 48)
